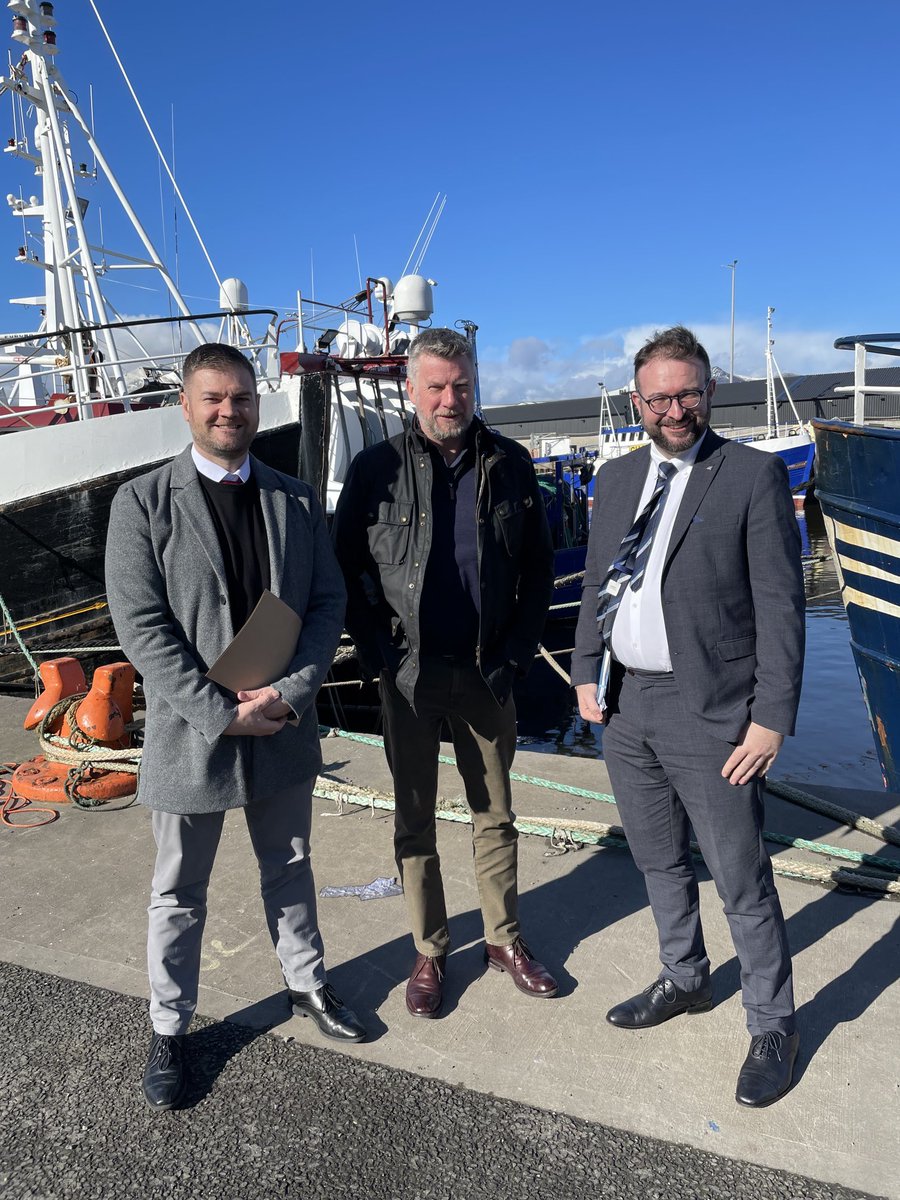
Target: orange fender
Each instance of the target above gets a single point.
(42, 780)
(107, 708)
(61, 677)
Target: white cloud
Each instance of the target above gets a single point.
(531, 368)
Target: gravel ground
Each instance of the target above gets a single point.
(267, 1117)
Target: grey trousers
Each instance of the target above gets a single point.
(279, 829)
(666, 775)
(484, 738)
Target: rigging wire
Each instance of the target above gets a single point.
(434, 225)
(162, 157)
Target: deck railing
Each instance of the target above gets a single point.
(862, 344)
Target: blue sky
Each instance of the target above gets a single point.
(601, 163)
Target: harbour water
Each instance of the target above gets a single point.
(833, 744)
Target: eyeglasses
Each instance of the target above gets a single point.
(688, 399)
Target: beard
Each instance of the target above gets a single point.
(447, 430)
(678, 439)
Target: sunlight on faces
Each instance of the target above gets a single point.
(442, 391)
(677, 430)
(222, 409)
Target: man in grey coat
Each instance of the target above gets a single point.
(190, 550)
(693, 590)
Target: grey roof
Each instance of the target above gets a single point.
(728, 395)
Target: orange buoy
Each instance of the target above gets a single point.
(61, 677)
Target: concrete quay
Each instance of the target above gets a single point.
(73, 896)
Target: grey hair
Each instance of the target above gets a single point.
(440, 343)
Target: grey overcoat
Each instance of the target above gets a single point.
(168, 598)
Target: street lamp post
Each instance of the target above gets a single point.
(731, 266)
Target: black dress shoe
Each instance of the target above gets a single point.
(329, 1012)
(768, 1069)
(165, 1076)
(659, 1002)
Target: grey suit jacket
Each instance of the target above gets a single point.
(168, 598)
(732, 585)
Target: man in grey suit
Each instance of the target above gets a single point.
(703, 619)
(191, 547)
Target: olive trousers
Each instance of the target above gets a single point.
(484, 739)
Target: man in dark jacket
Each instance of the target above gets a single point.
(446, 552)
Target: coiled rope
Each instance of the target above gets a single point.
(83, 754)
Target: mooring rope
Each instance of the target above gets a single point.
(791, 867)
(11, 625)
(82, 754)
(846, 816)
(600, 833)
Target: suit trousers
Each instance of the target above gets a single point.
(665, 770)
(279, 828)
(484, 739)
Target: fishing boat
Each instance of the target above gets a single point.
(89, 399)
(858, 488)
(793, 443)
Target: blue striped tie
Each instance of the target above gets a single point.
(629, 565)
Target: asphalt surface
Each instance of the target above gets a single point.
(266, 1117)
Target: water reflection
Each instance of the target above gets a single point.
(833, 742)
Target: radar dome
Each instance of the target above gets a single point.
(413, 302)
(233, 295)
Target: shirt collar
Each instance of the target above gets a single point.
(678, 461)
(217, 473)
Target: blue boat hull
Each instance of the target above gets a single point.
(799, 462)
(858, 487)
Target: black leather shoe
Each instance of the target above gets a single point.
(659, 1002)
(165, 1076)
(329, 1012)
(768, 1069)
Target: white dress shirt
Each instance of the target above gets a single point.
(217, 473)
(639, 631)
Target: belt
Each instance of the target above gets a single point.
(661, 675)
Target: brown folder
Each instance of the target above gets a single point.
(261, 650)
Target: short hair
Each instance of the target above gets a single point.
(215, 356)
(440, 343)
(678, 342)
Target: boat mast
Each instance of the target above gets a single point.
(771, 407)
(772, 429)
(606, 416)
(73, 299)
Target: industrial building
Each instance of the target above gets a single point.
(739, 407)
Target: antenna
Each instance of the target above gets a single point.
(434, 205)
(358, 271)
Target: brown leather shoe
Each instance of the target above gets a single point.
(425, 989)
(527, 973)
